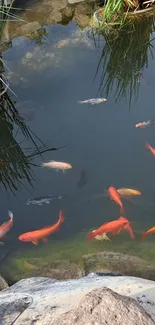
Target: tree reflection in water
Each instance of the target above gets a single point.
(124, 56)
(15, 162)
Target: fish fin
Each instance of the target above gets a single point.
(61, 216)
(45, 240)
(129, 230)
(46, 227)
(35, 241)
(144, 234)
(147, 146)
(1, 243)
(47, 202)
(90, 236)
(10, 214)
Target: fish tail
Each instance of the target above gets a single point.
(130, 232)
(91, 236)
(80, 101)
(144, 234)
(10, 214)
(122, 210)
(43, 164)
(147, 146)
(61, 216)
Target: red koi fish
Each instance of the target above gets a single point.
(6, 226)
(110, 227)
(42, 234)
(148, 232)
(115, 196)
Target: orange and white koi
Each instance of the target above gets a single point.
(112, 227)
(128, 192)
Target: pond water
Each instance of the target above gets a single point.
(49, 74)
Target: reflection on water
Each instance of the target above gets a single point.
(124, 57)
(52, 68)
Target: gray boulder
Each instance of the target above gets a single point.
(105, 307)
(43, 301)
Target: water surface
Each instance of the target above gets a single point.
(49, 76)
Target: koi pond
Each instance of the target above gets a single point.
(50, 60)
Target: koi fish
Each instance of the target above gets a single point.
(145, 124)
(147, 145)
(58, 165)
(44, 199)
(6, 226)
(115, 196)
(42, 234)
(112, 227)
(128, 192)
(101, 237)
(128, 229)
(148, 232)
(92, 101)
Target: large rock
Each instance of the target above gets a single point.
(105, 307)
(42, 301)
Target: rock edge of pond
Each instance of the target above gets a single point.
(17, 267)
(93, 298)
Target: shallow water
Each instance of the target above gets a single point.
(49, 77)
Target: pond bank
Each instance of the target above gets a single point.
(75, 258)
(44, 300)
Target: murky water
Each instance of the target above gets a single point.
(50, 75)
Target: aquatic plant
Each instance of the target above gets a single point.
(117, 11)
(124, 56)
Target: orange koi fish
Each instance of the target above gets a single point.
(6, 226)
(147, 145)
(42, 234)
(148, 232)
(112, 227)
(115, 196)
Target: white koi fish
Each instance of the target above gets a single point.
(93, 101)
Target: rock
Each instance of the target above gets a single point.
(105, 307)
(75, 1)
(44, 300)
(29, 28)
(82, 14)
(60, 269)
(117, 262)
(3, 284)
(59, 4)
(68, 12)
(55, 17)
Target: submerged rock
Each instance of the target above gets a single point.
(44, 301)
(103, 306)
(117, 262)
(3, 283)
